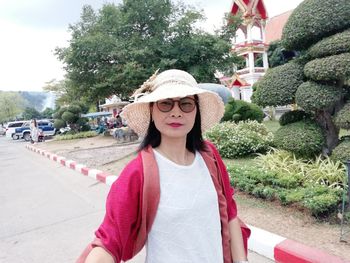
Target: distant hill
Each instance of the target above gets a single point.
(38, 100)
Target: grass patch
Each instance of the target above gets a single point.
(272, 126)
(246, 161)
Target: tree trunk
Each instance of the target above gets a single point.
(324, 119)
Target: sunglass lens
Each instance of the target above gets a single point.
(187, 104)
(165, 105)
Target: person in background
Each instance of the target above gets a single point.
(175, 197)
(34, 131)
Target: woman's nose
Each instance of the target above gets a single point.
(176, 111)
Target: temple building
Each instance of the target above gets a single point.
(251, 42)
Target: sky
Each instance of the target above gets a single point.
(31, 30)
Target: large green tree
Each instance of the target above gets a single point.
(317, 81)
(114, 50)
(11, 105)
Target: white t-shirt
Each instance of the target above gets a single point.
(187, 224)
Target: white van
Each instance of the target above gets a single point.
(11, 127)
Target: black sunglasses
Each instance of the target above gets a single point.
(186, 104)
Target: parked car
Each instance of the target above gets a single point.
(2, 130)
(45, 127)
(11, 126)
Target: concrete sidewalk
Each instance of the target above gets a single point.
(269, 245)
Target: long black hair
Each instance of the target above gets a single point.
(194, 139)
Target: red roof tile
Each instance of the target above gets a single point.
(274, 26)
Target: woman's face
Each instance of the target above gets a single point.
(175, 123)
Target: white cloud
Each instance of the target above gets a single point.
(27, 59)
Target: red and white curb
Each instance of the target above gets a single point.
(283, 250)
(267, 244)
(98, 175)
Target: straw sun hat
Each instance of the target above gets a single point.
(171, 84)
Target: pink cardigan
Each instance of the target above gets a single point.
(133, 200)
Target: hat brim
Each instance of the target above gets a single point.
(137, 114)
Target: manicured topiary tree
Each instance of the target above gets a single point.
(304, 138)
(71, 115)
(319, 30)
(239, 110)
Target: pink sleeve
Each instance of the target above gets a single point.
(118, 229)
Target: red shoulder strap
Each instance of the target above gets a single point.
(150, 197)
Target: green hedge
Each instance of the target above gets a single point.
(342, 119)
(313, 20)
(80, 135)
(304, 139)
(312, 96)
(293, 116)
(239, 110)
(278, 86)
(342, 151)
(330, 68)
(333, 45)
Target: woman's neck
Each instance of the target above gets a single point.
(176, 151)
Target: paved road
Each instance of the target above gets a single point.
(47, 212)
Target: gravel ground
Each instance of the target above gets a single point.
(100, 157)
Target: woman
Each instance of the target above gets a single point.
(174, 197)
(34, 131)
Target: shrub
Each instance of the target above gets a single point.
(321, 201)
(342, 119)
(239, 110)
(342, 151)
(79, 135)
(333, 45)
(305, 139)
(293, 116)
(313, 20)
(330, 68)
(279, 85)
(240, 139)
(312, 96)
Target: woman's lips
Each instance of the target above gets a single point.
(175, 124)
